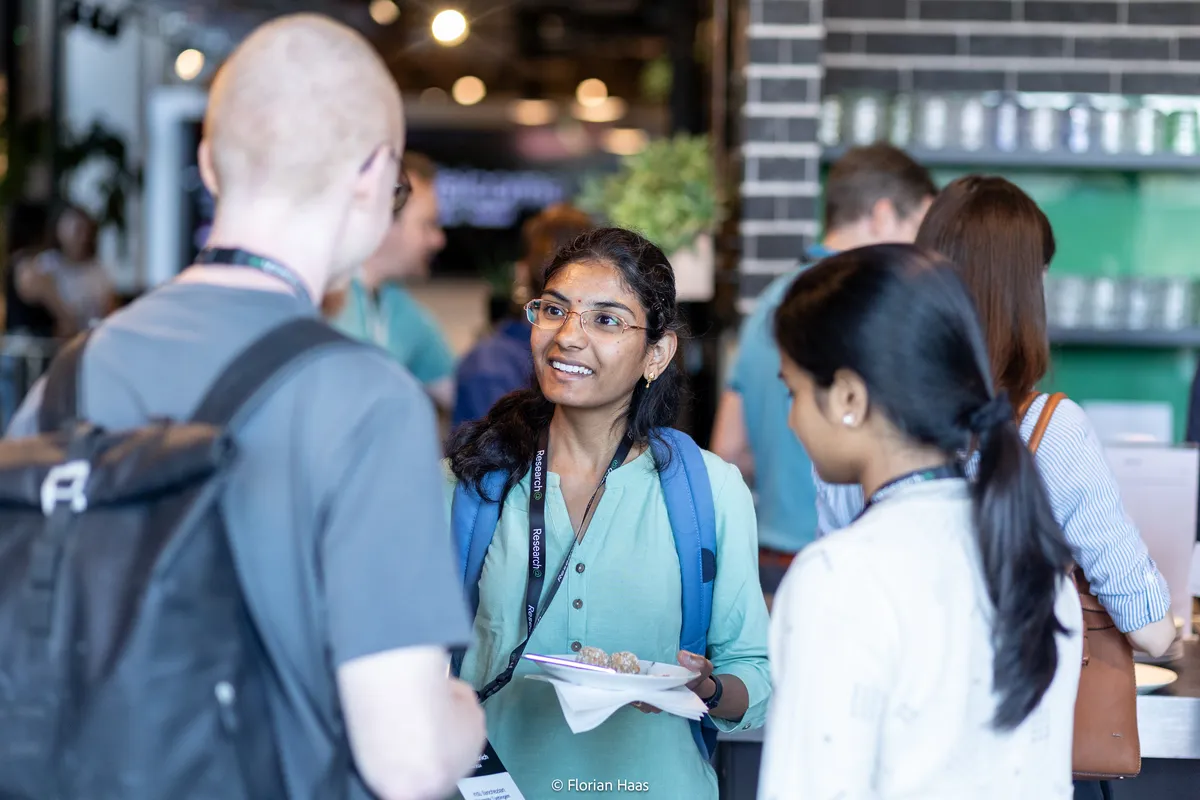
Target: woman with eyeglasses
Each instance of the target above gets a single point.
(592, 438)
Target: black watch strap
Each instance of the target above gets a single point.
(715, 700)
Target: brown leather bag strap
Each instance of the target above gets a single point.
(1043, 422)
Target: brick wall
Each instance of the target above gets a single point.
(799, 49)
(781, 156)
(1119, 46)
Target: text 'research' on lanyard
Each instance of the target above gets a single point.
(537, 551)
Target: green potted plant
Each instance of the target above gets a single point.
(668, 193)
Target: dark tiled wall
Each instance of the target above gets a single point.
(1125, 46)
(780, 181)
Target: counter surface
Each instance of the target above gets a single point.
(1168, 720)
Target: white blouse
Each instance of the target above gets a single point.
(881, 659)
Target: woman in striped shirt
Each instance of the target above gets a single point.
(1003, 245)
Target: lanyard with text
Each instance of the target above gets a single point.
(233, 257)
(944, 472)
(537, 551)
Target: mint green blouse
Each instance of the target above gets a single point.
(400, 325)
(622, 592)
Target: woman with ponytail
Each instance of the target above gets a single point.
(1002, 245)
(587, 449)
(957, 630)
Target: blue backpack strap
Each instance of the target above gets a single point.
(473, 521)
(693, 516)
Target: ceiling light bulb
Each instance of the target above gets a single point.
(384, 12)
(591, 93)
(610, 109)
(533, 112)
(189, 64)
(468, 90)
(626, 141)
(449, 27)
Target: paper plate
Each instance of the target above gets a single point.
(654, 675)
(1151, 678)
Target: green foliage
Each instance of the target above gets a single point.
(667, 192)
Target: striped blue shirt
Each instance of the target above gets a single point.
(1085, 501)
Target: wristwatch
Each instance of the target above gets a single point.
(715, 700)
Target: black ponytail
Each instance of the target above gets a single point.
(900, 318)
(1024, 558)
(505, 440)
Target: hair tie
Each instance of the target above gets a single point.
(991, 415)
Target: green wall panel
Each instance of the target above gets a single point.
(1118, 224)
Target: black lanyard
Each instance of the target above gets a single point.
(234, 257)
(537, 551)
(942, 473)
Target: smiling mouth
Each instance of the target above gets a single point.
(570, 369)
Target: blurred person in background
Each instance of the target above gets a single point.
(333, 508)
(502, 362)
(28, 325)
(873, 195)
(378, 308)
(64, 285)
(28, 235)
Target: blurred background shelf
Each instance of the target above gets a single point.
(1165, 162)
(1159, 339)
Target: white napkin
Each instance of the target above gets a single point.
(585, 707)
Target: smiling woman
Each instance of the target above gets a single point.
(609, 322)
(578, 466)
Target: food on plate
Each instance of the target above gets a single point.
(594, 656)
(626, 663)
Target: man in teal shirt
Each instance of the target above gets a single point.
(377, 306)
(872, 195)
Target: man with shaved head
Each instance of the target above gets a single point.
(334, 509)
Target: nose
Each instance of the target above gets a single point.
(571, 334)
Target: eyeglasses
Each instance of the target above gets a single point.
(403, 192)
(551, 316)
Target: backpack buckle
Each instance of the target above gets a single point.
(66, 483)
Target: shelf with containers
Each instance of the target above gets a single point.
(1159, 162)
(1117, 178)
(1033, 130)
(1186, 338)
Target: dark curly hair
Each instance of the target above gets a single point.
(505, 439)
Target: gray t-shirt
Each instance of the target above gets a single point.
(335, 507)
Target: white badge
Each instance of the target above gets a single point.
(490, 780)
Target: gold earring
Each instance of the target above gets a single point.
(649, 380)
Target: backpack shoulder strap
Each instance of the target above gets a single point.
(689, 499)
(1043, 422)
(690, 508)
(60, 400)
(246, 382)
(473, 521)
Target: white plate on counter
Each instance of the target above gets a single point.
(1151, 678)
(654, 675)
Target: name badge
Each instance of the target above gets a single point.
(490, 781)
